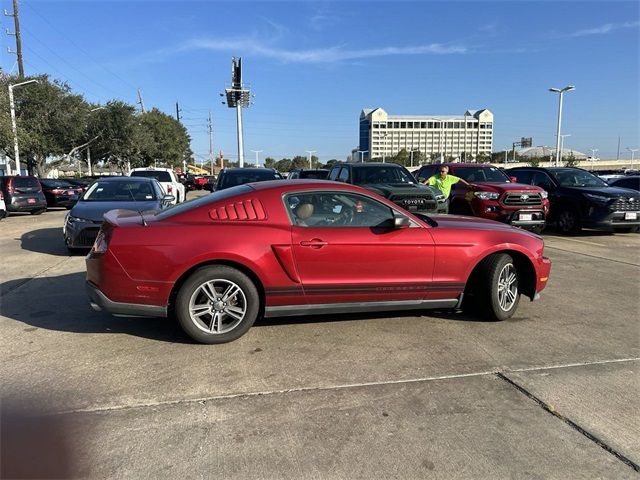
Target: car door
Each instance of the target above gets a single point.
(347, 250)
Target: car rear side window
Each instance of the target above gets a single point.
(206, 200)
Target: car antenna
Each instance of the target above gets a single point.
(133, 198)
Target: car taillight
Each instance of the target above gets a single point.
(57, 191)
(101, 244)
(169, 188)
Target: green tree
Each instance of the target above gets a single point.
(51, 120)
(269, 162)
(283, 165)
(401, 158)
(118, 138)
(162, 138)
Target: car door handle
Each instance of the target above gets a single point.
(315, 243)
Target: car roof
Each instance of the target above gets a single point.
(248, 169)
(456, 164)
(151, 169)
(128, 179)
(374, 164)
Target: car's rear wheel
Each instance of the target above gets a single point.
(568, 221)
(494, 293)
(37, 212)
(217, 304)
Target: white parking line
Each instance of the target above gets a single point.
(578, 241)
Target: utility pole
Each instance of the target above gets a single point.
(310, 152)
(177, 111)
(140, 101)
(18, 52)
(210, 127)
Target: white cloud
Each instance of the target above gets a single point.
(604, 29)
(318, 55)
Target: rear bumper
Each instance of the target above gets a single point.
(99, 301)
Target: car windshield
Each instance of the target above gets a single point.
(159, 175)
(25, 182)
(481, 174)
(200, 201)
(577, 178)
(120, 191)
(381, 174)
(231, 179)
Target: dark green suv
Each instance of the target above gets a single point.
(393, 182)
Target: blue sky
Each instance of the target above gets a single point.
(314, 65)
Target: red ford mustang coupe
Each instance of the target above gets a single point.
(305, 247)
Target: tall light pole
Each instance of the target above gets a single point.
(310, 152)
(257, 160)
(561, 92)
(633, 151)
(362, 152)
(89, 148)
(506, 156)
(238, 97)
(14, 126)
(562, 146)
(593, 156)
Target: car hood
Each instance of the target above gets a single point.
(506, 187)
(612, 192)
(388, 189)
(95, 210)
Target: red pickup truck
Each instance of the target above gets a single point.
(493, 195)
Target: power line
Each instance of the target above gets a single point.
(126, 82)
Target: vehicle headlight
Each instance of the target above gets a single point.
(72, 219)
(440, 198)
(487, 195)
(544, 194)
(596, 198)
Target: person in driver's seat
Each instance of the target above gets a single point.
(303, 212)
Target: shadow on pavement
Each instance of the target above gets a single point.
(59, 303)
(45, 240)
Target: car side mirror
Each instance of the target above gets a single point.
(400, 221)
(514, 179)
(168, 199)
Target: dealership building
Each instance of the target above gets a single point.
(464, 137)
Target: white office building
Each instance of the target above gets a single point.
(464, 137)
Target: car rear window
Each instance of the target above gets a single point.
(25, 182)
(207, 199)
(481, 174)
(159, 175)
(231, 179)
(315, 174)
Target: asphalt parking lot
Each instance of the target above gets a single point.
(552, 393)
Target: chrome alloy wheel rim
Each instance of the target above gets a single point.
(217, 306)
(507, 287)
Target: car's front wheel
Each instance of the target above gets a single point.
(568, 221)
(217, 304)
(494, 293)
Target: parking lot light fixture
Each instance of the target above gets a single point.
(560, 92)
(14, 125)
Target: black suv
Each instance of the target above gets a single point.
(230, 177)
(393, 182)
(315, 174)
(23, 194)
(580, 199)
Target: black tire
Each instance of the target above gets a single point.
(460, 208)
(537, 230)
(38, 212)
(223, 313)
(483, 297)
(568, 221)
